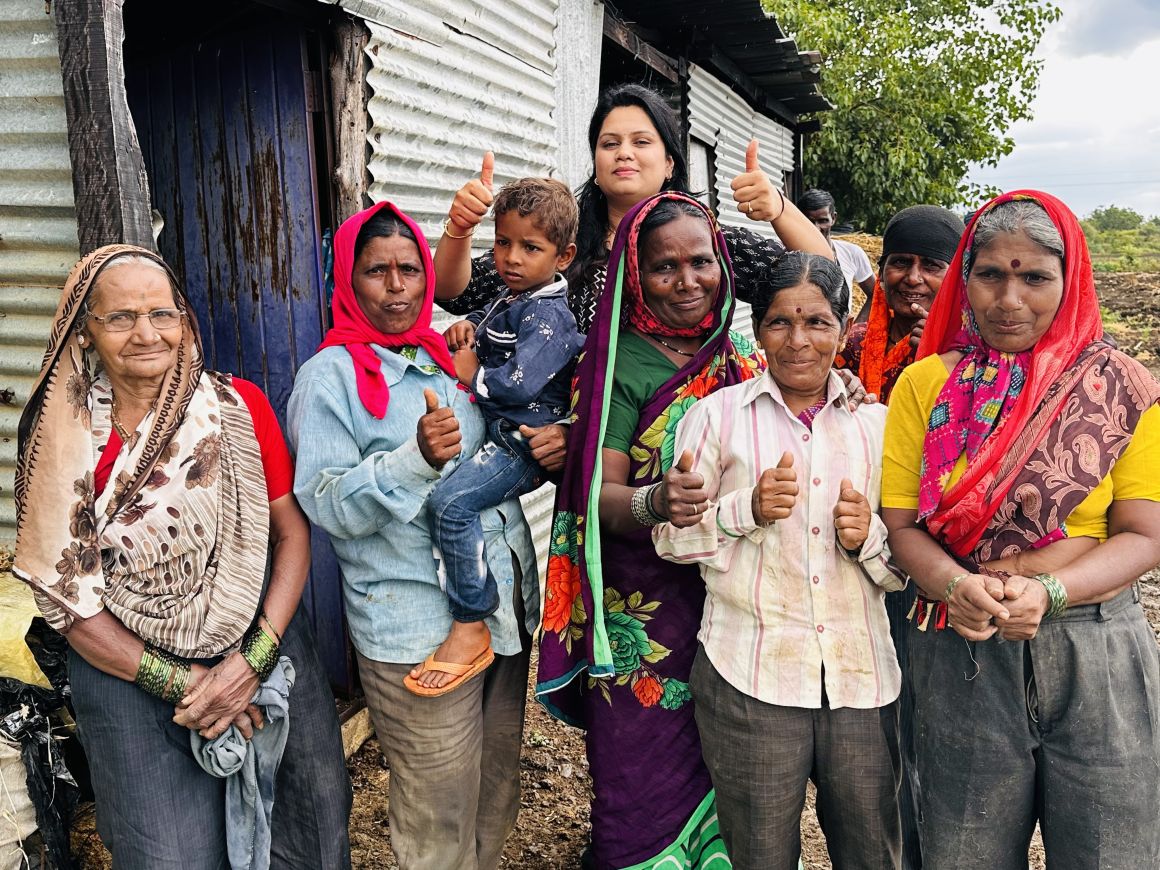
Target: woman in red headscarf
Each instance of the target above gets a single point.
(376, 417)
(1020, 491)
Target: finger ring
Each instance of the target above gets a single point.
(748, 207)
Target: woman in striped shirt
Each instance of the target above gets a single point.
(796, 677)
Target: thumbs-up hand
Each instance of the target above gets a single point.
(682, 497)
(437, 432)
(776, 492)
(851, 517)
(473, 199)
(755, 194)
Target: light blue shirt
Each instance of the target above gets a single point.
(366, 484)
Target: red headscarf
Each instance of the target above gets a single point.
(354, 331)
(966, 509)
(639, 314)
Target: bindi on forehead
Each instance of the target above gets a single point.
(797, 311)
(1015, 264)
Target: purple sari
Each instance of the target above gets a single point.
(620, 624)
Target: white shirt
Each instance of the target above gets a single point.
(853, 260)
(786, 600)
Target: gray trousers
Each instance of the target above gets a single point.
(1063, 729)
(454, 791)
(760, 757)
(158, 810)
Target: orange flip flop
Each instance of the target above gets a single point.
(462, 673)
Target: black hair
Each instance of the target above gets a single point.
(590, 248)
(663, 213)
(797, 267)
(383, 224)
(815, 199)
(547, 201)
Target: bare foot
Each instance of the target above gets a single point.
(464, 644)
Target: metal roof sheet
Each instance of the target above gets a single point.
(745, 35)
(38, 234)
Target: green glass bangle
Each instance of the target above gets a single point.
(180, 679)
(260, 651)
(1056, 594)
(152, 672)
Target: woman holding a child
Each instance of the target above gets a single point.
(635, 141)
(377, 416)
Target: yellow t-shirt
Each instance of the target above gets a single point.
(1133, 476)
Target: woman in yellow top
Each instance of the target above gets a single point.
(1021, 495)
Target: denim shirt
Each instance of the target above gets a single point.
(365, 483)
(526, 344)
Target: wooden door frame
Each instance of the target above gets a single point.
(110, 187)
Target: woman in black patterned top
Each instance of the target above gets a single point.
(636, 153)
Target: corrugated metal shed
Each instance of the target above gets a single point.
(725, 122)
(740, 40)
(450, 80)
(38, 234)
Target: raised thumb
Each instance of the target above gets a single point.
(751, 156)
(487, 172)
(685, 463)
(786, 460)
(431, 399)
(846, 485)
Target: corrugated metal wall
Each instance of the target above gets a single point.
(723, 121)
(38, 234)
(449, 80)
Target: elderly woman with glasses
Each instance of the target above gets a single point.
(157, 528)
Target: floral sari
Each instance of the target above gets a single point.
(620, 624)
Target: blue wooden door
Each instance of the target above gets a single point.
(226, 127)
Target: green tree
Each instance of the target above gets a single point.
(921, 89)
(1115, 218)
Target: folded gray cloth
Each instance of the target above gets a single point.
(249, 769)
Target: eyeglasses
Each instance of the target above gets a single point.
(123, 321)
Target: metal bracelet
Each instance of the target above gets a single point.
(447, 231)
(1056, 594)
(958, 578)
(642, 509)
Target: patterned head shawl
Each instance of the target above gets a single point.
(575, 565)
(352, 328)
(186, 499)
(640, 315)
(989, 399)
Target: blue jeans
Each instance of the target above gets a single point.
(502, 469)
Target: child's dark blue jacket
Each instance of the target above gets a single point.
(527, 344)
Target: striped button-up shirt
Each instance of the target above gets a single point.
(787, 605)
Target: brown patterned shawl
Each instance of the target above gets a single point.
(1102, 396)
(175, 546)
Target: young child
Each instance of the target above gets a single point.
(516, 356)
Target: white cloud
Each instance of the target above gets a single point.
(1093, 140)
(1109, 26)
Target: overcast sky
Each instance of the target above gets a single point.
(1095, 137)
